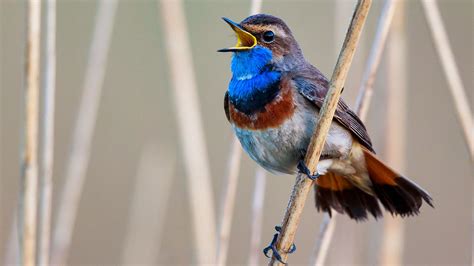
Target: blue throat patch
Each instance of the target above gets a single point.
(253, 83)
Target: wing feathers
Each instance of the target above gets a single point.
(314, 86)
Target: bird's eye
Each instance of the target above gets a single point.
(268, 36)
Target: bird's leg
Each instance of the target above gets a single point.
(302, 168)
(274, 249)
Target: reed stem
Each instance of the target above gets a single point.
(363, 102)
(392, 245)
(28, 203)
(303, 184)
(46, 182)
(186, 104)
(257, 216)
(448, 62)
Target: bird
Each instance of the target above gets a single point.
(272, 103)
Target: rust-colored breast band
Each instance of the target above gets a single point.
(274, 114)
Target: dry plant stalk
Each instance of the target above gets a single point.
(149, 203)
(78, 160)
(366, 88)
(441, 41)
(29, 163)
(257, 216)
(391, 252)
(326, 231)
(46, 182)
(362, 105)
(228, 196)
(189, 120)
(343, 9)
(304, 184)
(228, 201)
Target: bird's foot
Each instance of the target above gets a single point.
(302, 168)
(274, 249)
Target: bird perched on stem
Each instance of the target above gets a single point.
(273, 102)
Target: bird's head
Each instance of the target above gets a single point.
(263, 31)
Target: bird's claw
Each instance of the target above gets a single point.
(304, 170)
(274, 249)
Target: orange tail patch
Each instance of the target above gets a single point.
(334, 191)
(398, 195)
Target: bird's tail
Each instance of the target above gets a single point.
(398, 194)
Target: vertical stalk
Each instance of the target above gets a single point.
(391, 252)
(49, 91)
(28, 202)
(191, 131)
(149, 203)
(257, 216)
(228, 201)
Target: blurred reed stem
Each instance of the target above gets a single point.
(191, 131)
(323, 241)
(228, 201)
(343, 9)
(303, 184)
(230, 189)
(149, 203)
(49, 91)
(362, 104)
(391, 251)
(78, 160)
(28, 201)
(257, 216)
(448, 62)
(366, 88)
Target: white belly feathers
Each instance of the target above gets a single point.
(279, 149)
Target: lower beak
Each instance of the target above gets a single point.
(245, 40)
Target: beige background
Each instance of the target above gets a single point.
(136, 111)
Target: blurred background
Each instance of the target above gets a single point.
(137, 156)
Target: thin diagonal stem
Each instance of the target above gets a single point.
(49, 91)
(27, 215)
(366, 88)
(363, 102)
(441, 41)
(78, 160)
(304, 184)
(323, 241)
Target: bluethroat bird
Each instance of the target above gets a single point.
(273, 102)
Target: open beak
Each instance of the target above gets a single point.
(245, 40)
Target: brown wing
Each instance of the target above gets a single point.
(314, 86)
(226, 105)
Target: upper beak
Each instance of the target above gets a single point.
(245, 40)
